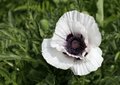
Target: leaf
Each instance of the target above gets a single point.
(50, 79)
(14, 57)
(10, 19)
(113, 44)
(7, 77)
(111, 19)
(7, 34)
(100, 12)
(4, 73)
(117, 56)
(41, 32)
(37, 75)
(110, 80)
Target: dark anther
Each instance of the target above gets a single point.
(77, 59)
(75, 44)
(64, 53)
(86, 53)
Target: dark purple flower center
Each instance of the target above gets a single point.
(75, 44)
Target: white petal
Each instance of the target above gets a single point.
(77, 28)
(66, 25)
(76, 23)
(90, 63)
(54, 57)
(89, 23)
(59, 37)
(58, 43)
(86, 24)
(73, 24)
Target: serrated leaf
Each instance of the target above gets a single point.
(14, 57)
(111, 19)
(4, 73)
(7, 34)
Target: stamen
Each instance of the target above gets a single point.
(86, 53)
(75, 44)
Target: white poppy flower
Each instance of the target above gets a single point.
(74, 44)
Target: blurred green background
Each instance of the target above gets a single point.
(25, 23)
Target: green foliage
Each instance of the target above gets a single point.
(100, 13)
(25, 23)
